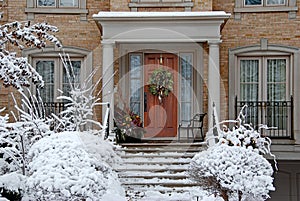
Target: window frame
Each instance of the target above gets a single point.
(284, 4)
(134, 5)
(262, 76)
(290, 6)
(192, 82)
(53, 52)
(32, 8)
(58, 73)
(57, 4)
(141, 79)
(264, 3)
(265, 49)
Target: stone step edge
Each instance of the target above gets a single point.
(146, 149)
(150, 168)
(143, 188)
(170, 176)
(170, 184)
(168, 155)
(158, 162)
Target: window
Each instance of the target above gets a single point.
(254, 6)
(264, 78)
(57, 3)
(134, 5)
(49, 65)
(56, 77)
(186, 86)
(135, 75)
(61, 7)
(264, 2)
(263, 85)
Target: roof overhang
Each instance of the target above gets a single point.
(160, 26)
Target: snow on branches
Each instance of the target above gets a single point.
(16, 71)
(80, 101)
(234, 167)
(16, 138)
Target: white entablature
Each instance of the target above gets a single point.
(161, 26)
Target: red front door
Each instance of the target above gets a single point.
(160, 117)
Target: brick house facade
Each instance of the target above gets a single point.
(215, 41)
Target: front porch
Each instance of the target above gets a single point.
(134, 41)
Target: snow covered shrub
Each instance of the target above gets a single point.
(102, 150)
(243, 135)
(4, 165)
(18, 137)
(80, 101)
(12, 186)
(232, 169)
(63, 169)
(16, 71)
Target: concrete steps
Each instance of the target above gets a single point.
(158, 169)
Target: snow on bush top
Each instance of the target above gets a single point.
(12, 182)
(234, 169)
(63, 169)
(243, 135)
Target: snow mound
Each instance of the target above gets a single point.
(13, 182)
(103, 150)
(233, 169)
(62, 168)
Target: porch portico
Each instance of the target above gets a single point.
(167, 32)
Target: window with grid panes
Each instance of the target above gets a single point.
(57, 77)
(265, 81)
(57, 3)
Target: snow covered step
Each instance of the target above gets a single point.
(156, 195)
(165, 144)
(150, 162)
(147, 175)
(165, 149)
(158, 154)
(164, 184)
(158, 168)
(153, 168)
(162, 189)
(155, 181)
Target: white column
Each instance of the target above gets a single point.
(214, 80)
(296, 97)
(108, 77)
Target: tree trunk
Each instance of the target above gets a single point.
(240, 195)
(224, 195)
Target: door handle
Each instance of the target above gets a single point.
(145, 102)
